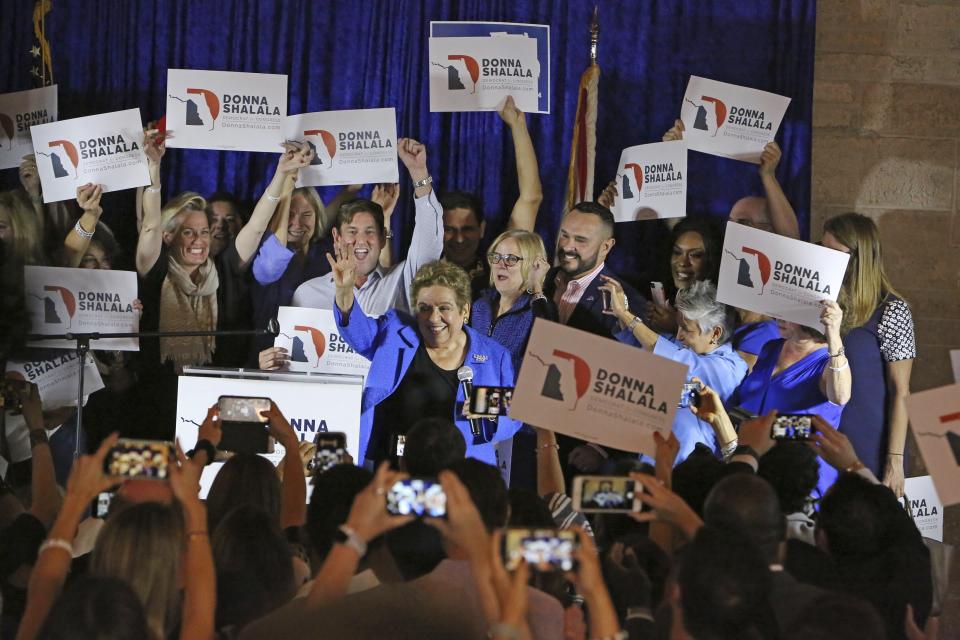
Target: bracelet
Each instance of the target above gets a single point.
(549, 446)
(838, 353)
(422, 183)
(347, 536)
(83, 233)
(56, 543)
(504, 630)
(856, 466)
(152, 189)
(726, 452)
(197, 535)
(38, 436)
(633, 323)
(846, 365)
(272, 198)
(890, 453)
(388, 234)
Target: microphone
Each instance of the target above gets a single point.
(465, 376)
(272, 328)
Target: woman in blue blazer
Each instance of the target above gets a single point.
(414, 360)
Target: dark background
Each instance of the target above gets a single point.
(113, 54)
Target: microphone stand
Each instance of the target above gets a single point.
(83, 347)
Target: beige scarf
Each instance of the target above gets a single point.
(188, 306)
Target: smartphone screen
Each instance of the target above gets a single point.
(141, 459)
(417, 496)
(237, 409)
(543, 549)
(792, 427)
(657, 294)
(491, 402)
(101, 505)
(606, 494)
(690, 395)
(330, 451)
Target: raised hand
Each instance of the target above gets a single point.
(755, 433)
(667, 506)
(29, 176)
(386, 196)
(280, 427)
(769, 159)
(831, 317)
(344, 267)
(210, 429)
(369, 517)
(87, 479)
(509, 112)
(463, 525)
(88, 197)
(273, 358)
(675, 132)
(609, 195)
(537, 274)
(296, 156)
(831, 445)
(155, 145)
(414, 157)
(619, 306)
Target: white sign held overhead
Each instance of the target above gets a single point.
(105, 149)
(226, 110)
(596, 389)
(652, 182)
(352, 147)
(313, 340)
(62, 300)
(18, 112)
(935, 422)
(728, 120)
(477, 74)
(778, 276)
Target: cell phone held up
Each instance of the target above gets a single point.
(331, 449)
(792, 426)
(421, 497)
(490, 402)
(245, 429)
(689, 395)
(606, 494)
(545, 550)
(139, 459)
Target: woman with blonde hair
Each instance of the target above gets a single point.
(878, 337)
(21, 231)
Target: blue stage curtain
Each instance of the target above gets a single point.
(114, 54)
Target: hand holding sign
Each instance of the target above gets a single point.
(30, 177)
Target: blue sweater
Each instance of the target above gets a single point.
(391, 341)
(512, 329)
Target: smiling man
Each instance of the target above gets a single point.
(360, 230)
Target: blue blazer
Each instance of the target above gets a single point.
(391, 341)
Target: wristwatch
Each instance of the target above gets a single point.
(346, 535)
(204, 445)
(424, 182)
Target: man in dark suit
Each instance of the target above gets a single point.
(583, 243)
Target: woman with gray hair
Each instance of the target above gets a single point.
(704, 329)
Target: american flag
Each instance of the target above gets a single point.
(583, 151)
(41, 65)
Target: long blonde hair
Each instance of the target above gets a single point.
(27, 245)
(142, 545)
(865, 284)
(170, 218)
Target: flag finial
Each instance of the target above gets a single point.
(594, 33)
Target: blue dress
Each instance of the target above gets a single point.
(750, 337)
(796, 389)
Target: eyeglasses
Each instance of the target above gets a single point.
(508, 259)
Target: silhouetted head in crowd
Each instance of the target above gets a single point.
(854, 518)
(723, 587)
(487, 490)
(694, 477)
(463, 227)
(245, 478)
(96, 607)
(254, 566)
(836, 616)
(432, 444)
(744, 504)
(651, 558)
(333, 494)
(527, 509)
(792, 470)
(142, 546)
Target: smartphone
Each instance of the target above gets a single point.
(544, 549)
(331, 448)
(140, 459)
(689, 395)
(101, 504)
(12, 393)
(606, 299)
(657, 294)
(244, 428)
(490, 402)
(606, 494)
(417, 496)
(792, 426)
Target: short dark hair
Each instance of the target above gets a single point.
(694, 477)
(836, 615)
(432, 444)
(855, 516)
(333, 495)
(605, 215)
(350, 208)
(709, 231)
(229, 198)
(463, 200)
(792, 470)
(96, 607)
(527, 509)
(745, 504)
(487, 490)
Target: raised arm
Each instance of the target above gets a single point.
(349, 192)
(782, 216)
(76, 244)
(45, 496)
(549, 471)
(426, 244)
(294, 158)
(524, 214)
(386, 196)
(293, 508)
(151, 233)
(643, 334)
(836, 382)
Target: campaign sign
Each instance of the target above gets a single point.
(538, 32)
(935, 421)
(477, 74)
(62, 300)
(313, 340)
(922, 502)
(357, 146)
(57, 374)
(955, 364)
(18, 112)
(778, 276)
(226, 110)
(596, 389)
(310, 407)
(728, 120)
(104, 149)
(652, 182)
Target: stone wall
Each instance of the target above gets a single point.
(886, 119)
